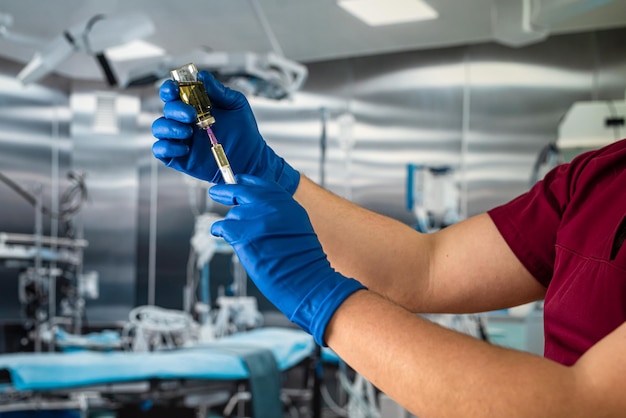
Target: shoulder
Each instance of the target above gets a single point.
(596, 173)
(591, 183)
(609, 160)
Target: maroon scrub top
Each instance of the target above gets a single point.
(568, 232)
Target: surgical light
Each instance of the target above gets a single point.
(92, 37)
(134, 50)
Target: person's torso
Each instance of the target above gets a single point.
(586, 298)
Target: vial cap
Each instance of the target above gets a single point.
(188, 73)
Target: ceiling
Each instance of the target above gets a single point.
(305, 30)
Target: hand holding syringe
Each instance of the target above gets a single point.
(193, 93)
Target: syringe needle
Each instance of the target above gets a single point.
(212, 137)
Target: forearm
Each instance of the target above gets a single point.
(385, 255)
(436, 372)
(466, 267)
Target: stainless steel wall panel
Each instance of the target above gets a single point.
(34, 154)
(175, 229)
(610, 65)
(405, 111)
(518, 97)
(108, 155)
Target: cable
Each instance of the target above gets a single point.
(267, 28)
(71, 202)
(73, 198)
(330, 402)
(354, 391)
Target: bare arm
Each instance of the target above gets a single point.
(467, 267)
(433, 371)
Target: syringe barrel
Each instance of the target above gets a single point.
(223, 164)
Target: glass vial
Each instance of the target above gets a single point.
(193, 93)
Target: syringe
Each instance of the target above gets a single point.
(193, 93)
(220, 158)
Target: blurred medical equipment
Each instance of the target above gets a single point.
(193, 93)
(360, 396)
(520, 328)
(265, 75)
(151, 328)
(523, 22)
(91, 37)
(548, 158)
(165, 360)
(591, 125)
(347, 141)
(52, 286)
(235, 374)
(235, 311)
(433, 194)
(270, 75)
(341, 126)
(235, 314)
(106, 340)
(585, 126)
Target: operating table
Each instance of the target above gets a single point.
(244, 366)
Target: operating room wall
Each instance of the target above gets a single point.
(485, 109)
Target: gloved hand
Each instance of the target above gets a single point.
(275, 242)
(185, 147)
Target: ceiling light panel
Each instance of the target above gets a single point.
(388, 12)
(134, 50)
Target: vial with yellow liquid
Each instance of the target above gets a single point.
(193, 93)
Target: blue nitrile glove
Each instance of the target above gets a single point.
(185, 147)
(275, 242)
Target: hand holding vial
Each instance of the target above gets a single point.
(193, 93)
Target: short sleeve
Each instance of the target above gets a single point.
(530, 223)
